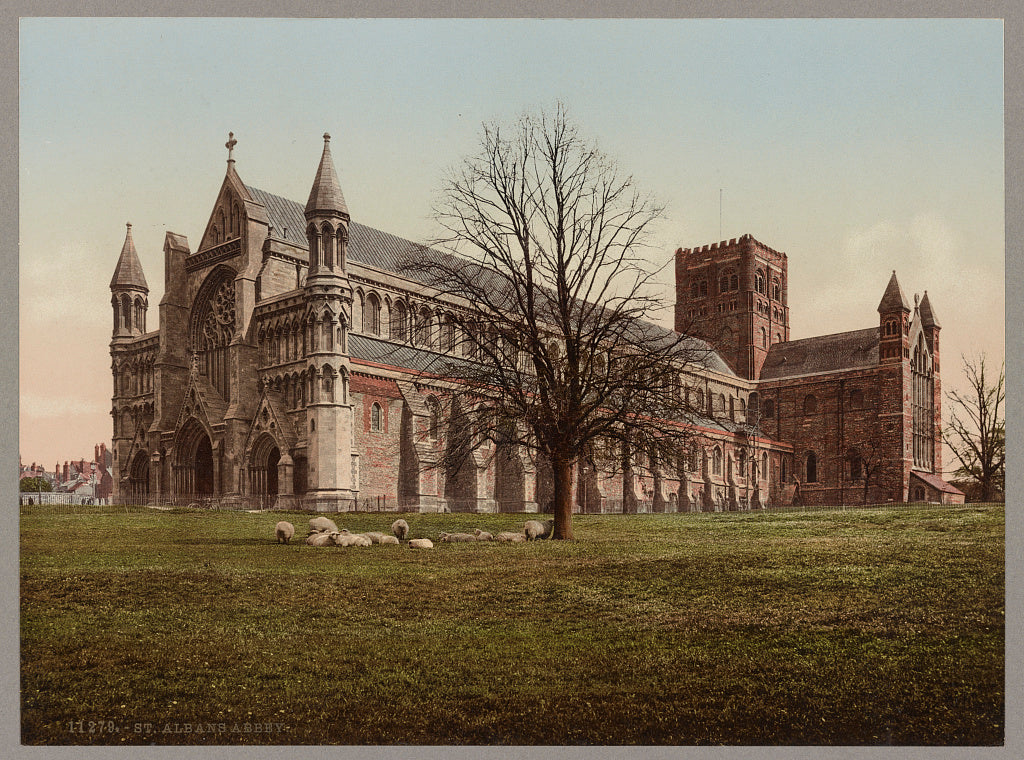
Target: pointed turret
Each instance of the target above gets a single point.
(893, 298)
(128, 272)
(325, 196)
(927, 314)
(129, 292)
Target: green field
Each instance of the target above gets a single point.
(820, 627)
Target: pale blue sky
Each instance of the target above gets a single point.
(856, 146)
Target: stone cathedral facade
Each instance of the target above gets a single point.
(287, 371)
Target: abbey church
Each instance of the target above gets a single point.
(287, 371)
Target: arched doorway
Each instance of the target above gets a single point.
(193, 470)
(138, 478)
(263, 461)
(202, 467)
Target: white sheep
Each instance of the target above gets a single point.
(508, 536)
(400, 528)
(421, 543)
(389, 540)
(535, 529)
(455, 537)
(322, 524)
(320, 539)
(374, 535)
(284, 532)
(345, 538)
(482, 535)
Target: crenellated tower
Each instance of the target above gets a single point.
(333, 466)
(734, 294)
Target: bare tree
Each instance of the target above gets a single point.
(977, 428)
(543, 250)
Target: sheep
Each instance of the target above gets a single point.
(374, 536)
(320, 539)
(284, 531)
(389, 540)
(456, 537)
(345, 538)
(482, 535)
(400, 528)
(322, 525)
(507, 536)
(421, 543)
(535, 529)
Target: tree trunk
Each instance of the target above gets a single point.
(564, 470)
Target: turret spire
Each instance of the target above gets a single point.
(893, 298)
(927, 314)
(128, 272)
(325, 195)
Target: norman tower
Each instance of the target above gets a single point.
(734, 294)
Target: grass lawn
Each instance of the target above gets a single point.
(822, 627)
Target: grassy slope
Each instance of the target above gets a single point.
(858, 627)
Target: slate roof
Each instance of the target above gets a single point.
(397, 355)
(387, 253)
(824, 353)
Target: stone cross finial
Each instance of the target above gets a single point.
(230, 144)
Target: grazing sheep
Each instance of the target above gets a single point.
(535, 529)
(483, 535)
(510, 537)
(400, 528)
(456, 537)
(323, 524)
(284, 531)
(389, 540)
(421, 543)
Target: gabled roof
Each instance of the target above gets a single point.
(128, 272)
(893, 298)
(824, 353)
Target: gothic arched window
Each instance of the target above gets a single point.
(213, 328)
(812, 467)
(716, 461)
(810, 404)
(759, 282)
(327, 243)
(399, 322)
(371, 315)
(376, 418)
(435, 418)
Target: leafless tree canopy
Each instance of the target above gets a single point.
(977, 428)
(543, 248)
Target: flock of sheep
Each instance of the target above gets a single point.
(324, 532)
